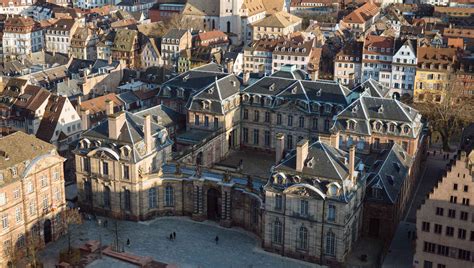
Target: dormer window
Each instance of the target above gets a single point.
(256, 99)
(391, 127)
(246, 97)
(355, 109)
(272, 87)
(294, 90)
(378, 126)
(380, 109)
(180, 92)
(210, 90)
(376, 192)
(318, 93)
(406, 129)
(327, 108)
(206, 104)
(185, 78)
(351, 124)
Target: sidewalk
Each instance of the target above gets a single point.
(402, 250)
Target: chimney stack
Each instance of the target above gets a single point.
(116, 122)
(85, 121)
(147, 132)
(109, 107)
(301, 154)
(352, 163)
(246, 78)
(279, 147)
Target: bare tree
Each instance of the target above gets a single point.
(71, 216)
(451, 114)
(177, 21)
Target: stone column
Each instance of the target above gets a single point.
(198, 201)
(226, 216)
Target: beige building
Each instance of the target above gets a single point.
(313, 210)
(444, 223)
(32, 197)
(278, 24)
(348, 64)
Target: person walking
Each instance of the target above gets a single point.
(217, 239)
(171, 236)
(128, 242)
(174, 235)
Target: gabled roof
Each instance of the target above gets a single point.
(362, 14)
(50, 118)
(124, 40)
(281, 19)
(98, 104)
(327, 162)
(162, 115)
(389, 172)
(372, 87)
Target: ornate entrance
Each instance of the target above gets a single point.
(47, 231)
(213, 204)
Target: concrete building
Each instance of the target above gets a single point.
(32, 196)
(444, 226)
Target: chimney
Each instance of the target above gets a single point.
(352, 163)
(246, 78)
(85, 121)
(116, 122)
(147, 133)
(301, 154)
(279, 147)
(109, 107)
(79, 102)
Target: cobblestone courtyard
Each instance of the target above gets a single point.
(194, 245)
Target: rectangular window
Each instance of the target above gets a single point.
(216, 123)
(256, 116)
(126, 172)
(464, 215)
(452, 213)
(16, 194)
(245, 134)
(304, 207)
(267, 138)
(290, 120)
(246, 114)
(327, 124)
(105, 168)
(443, 250)
(5, 221)
(44, 181)
(301, 122)
(267, 117)
(278, 119)
(255, 136)
(18, 215)
(206, 121)
(453, 199)
(465, 201)
(315, 123)
(425, 226)
(429, 247)
(461, 234)
(3, 199)
(439, 211)
(86, 164)
(464, 254)
(278, 202)
(449, 231)
(438, 229)
(196, 120)
(466, 188)
(455, 187)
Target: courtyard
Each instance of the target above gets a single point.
(194, 246)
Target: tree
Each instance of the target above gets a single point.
(71, 216)
(451, 114)
(177, 21)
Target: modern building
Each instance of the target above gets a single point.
(32, 195)
(444, 228)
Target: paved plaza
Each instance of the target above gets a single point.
(194, 245)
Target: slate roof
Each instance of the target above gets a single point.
(368, 109)
(128, 97)
(373, 88)
(162, 115)
(327, 162)
(174, 34)
(215, 95)
(388, 173)
(50, 118)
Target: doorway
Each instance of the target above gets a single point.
(374, 226)
(47, 231)
(213, 204)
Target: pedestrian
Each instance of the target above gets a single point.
(217, 239)
(171, 237)
(105, 223)
(128, 242)
(174, 235)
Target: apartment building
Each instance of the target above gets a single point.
(125, 47)
(258, 56)
(434, 72)
(445, 232)
(278, 24)
(83, 44)
(360, 20)
(32, 195)
(377, 58)
(348, 64)
(404, 63)
(21, 37)
(172, 43)
(293, 51)
(58, 37)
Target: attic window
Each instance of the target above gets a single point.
(210, 90)
(294, 90)
(272, 87)
(318, 93)
(351, 124)
(355, 109)
(185, 78)
(406, 129)
(380, 110)
(378, 126)
(376, 192)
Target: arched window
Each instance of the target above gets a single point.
(330, 243)
(152, 198)
(169, 196)
(277, 232)
(128, 200)
(106, 197)
(302, 238)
